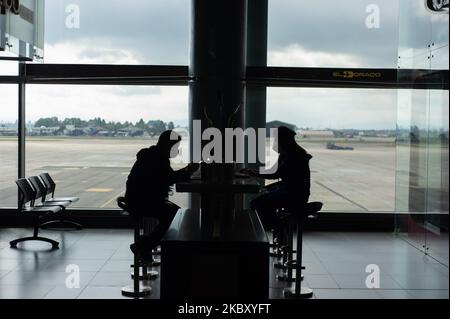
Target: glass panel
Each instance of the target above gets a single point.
(436, 222)
(22, 29)
(333, 34)
(439, 25)
(117, 32)
(87, 137)
(439, 58)
(360, 178)
(422, 152)
(8, 145)
(412, 156)
(438, 179)
(415, 29)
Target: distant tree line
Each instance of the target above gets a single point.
(152, 127)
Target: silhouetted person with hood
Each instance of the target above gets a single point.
(148, 187)
(293, 170)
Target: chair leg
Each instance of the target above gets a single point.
(35, 237)
(144, 273)
(137, 290)
(288, 275)
(64, 224)
(55, 244)
(299, 292)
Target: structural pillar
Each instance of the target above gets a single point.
(217, 87)
(256, 95)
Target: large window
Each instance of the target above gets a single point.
(8, 145)
(117, 32)
(87, 137)
(329, 33)
(8, 68)
(351, 135)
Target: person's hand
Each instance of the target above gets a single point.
(249, 172)
(192, 168)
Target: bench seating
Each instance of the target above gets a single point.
(27, 197)
(41, 193)
(51, 188)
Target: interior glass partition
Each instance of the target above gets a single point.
(422, 148)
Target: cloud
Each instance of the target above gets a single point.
(87, 51)
(153, 31)
(336, 27)
(296, 55)
(8, 95)
(108, 102)
(333, 108)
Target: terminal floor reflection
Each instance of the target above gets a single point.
(335, 266)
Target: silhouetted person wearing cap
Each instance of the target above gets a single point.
(293, 170)
(148, 187)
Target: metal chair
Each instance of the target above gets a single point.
(51, 188)
(27, 196)
(41, 193)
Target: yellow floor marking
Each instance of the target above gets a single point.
(99, 190)
(112, 199)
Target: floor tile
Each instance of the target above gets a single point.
(411, 281)
(23, 291)
(393, 294)
(428, 294)
(345, 294)
(359, 282)
(64, 293)
(335, 266)
(321, 281)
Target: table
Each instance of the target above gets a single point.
(223, 257)
(196, 265)
(218, 200)
(237, 186)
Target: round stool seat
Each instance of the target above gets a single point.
(305, 293)
(131, 292)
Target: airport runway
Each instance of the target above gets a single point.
(96, 170)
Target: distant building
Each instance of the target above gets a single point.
(315, 134)
(130, 131)
(6, 130)
(44, 131)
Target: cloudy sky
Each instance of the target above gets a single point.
(325, 33)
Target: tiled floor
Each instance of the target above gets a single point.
(335, 267)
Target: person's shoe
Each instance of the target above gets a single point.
(143, 255)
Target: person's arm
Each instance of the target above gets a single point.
(275, 175)
(184, 173)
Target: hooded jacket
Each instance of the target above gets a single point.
(294, 172)
(151, 178)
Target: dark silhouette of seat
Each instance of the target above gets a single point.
(27, 197)
(138, 289)
(51, 188)
(41, 193)
(298, 216)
